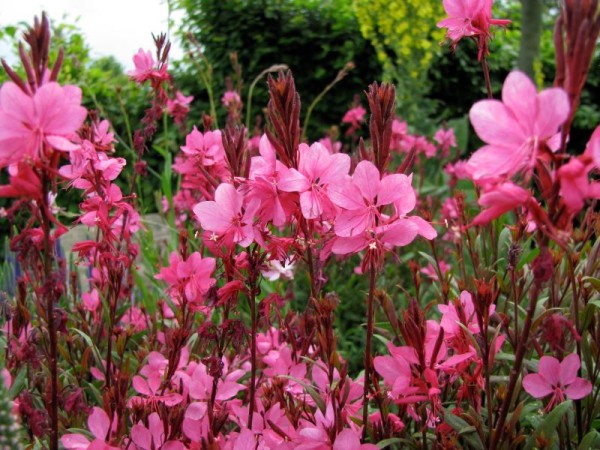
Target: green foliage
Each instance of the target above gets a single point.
(405, 34)
(314, 38)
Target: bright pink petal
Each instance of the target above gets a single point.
(229, 199)
(392, 189)
(293, 181)
(401, 233)
(347, 440)
(366, 178)
(311, 206)
(352, 223)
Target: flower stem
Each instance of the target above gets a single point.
(486, 74)
(497, 432)
(368, 344)
(49, 300)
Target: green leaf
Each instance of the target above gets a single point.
(88, 340)
(466, 432)
(550, 423)
(387, 442)
(528, 257)
(590, 440)
(595, 282)
(18, 383)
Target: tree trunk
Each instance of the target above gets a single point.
(531, 33)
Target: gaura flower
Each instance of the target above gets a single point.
(558, 379)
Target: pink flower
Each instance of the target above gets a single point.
(445, 139)
(208, 147)
(263, 184)
(460, 311)
(399, 133)
(153, 436)
(501, 199)
(593, 147)
(355, 116)
(557, 378)
(91, 300)
(226, 217)
(28, 123)
(330, 145)
(23, 183)
(518, 128)
(147, 69)
(575, 186)
(230, 99)
(317, 171)
(179, 107)
(360, 224)
(363, 196)
(470, 18)
(432, 273)
(191, 276)
(101, 428)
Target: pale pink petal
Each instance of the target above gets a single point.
(346, 195)
(141, 436)
(15, 103)
(59, 109)
(553, 110)
(407, 201)
(210, 215)
(549, 368)
(99, 423)
(495, 160)
(352, 223)
(311, 205)
(568, 369)
(537, 386)
(424, 228)
(495, 124)
(346, 245)
(61, 143)
(75, 442)
(519, 94)
(229, 199)
(578, 389)
(228, 389)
